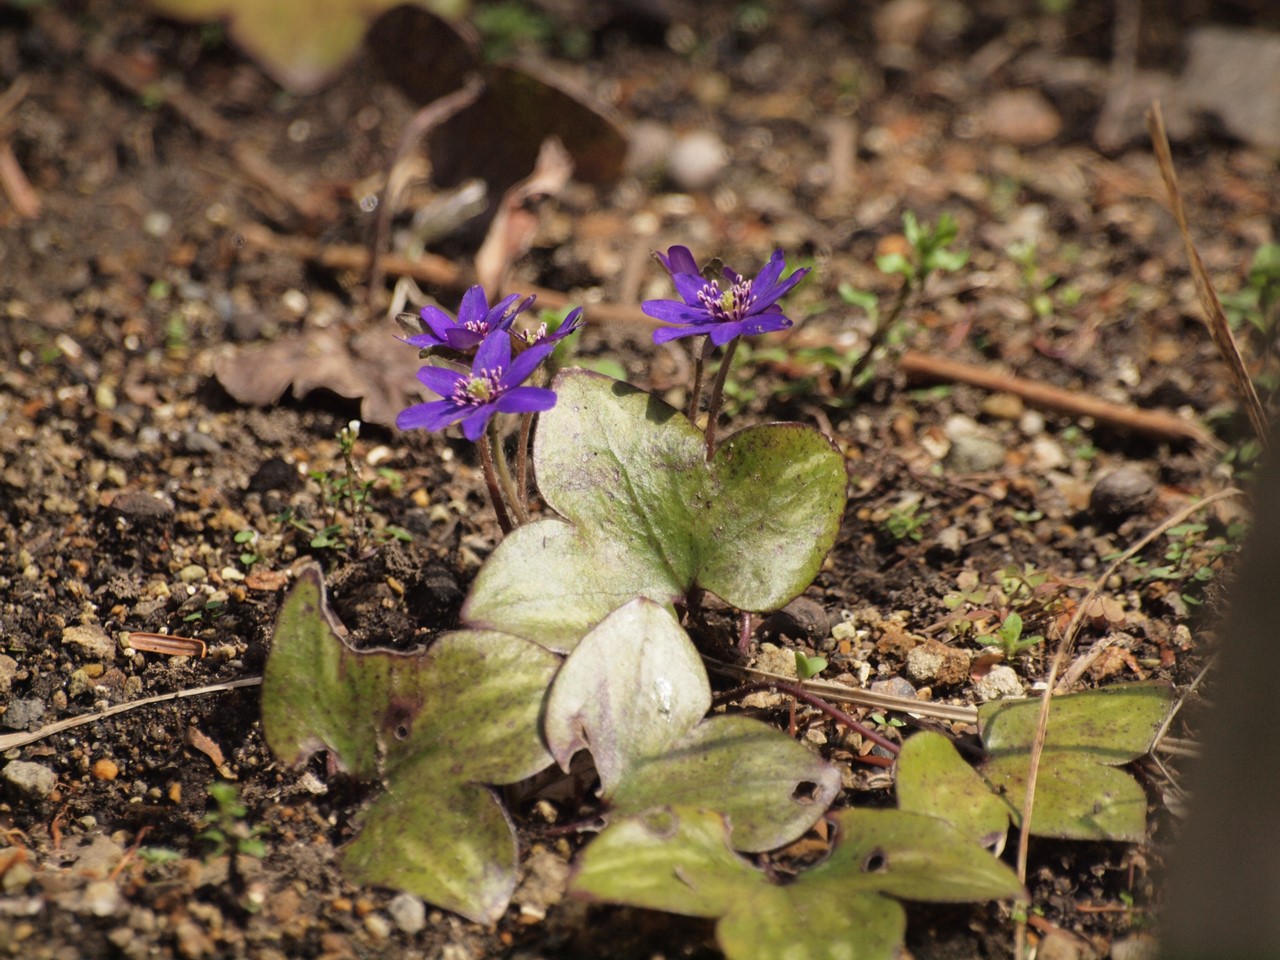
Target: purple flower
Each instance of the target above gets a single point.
(492, 386)
(745, 308)
(476, 320)
(569, 326)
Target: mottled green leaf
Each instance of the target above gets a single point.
(634, 693)
(650, 517)
(1079, 793)
(679, 860)
(432, 726)
(933, 779)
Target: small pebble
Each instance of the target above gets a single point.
(377, 926)
(193, 441)
(1121, 494)
(23, 714)
(408, 912)
(801, 619)
(1000, 683)
(101, 898)
(936, 663)
(140, 506)
(92, 642)
(696, 160)
(8, 670)
(105, 769)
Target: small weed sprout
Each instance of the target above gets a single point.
(809, 667)
(225, 830)
(907, 521)
(1008, 637)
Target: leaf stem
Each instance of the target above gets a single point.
(491, 481)
(717, 396)
(508, 483)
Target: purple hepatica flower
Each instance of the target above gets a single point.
(569, 326)
(476, 320)
(492, 386)
(746, 308)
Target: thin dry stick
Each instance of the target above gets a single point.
(1157, 423)
(1055, 666)
(1214, 318)
(11, 741)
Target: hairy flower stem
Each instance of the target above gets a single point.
(717, 397)
(520, 515)
(699, 366)
(491, 481)
(522, 466)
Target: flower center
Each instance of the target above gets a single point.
(728, 305)
(478, 389)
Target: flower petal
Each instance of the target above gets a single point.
(435, 415)
(494, 353)
(526, 400)
(673, 311)
(766, 298)
(474, 423)
(689, 285)
(678, 259)
(526, 363)
(766, 322)
(667, 334)
(724, 332)
(437, 320)
(769, 273)
(462, 339)
(423, 340)
(473, 307)
(439, 380)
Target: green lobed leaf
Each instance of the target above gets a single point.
(432, 726)
(650, 517)
(933, 779)
(1077, 798)
(679, 860)
(634, 692)
(1079, 792)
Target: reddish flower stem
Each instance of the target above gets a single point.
(812, 699)
(491, 481)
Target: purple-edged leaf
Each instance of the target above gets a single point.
(432, 726)
(634, 692)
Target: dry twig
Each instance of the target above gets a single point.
(1157, 423)
(1214, 318)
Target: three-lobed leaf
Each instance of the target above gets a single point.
(634, 693)
(649, 516)
(679, 860)
(432, 726)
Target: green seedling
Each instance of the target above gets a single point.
(225, 830)
(246, 539)
(907, 521)
(809, 667)
(1009, 639)
(1041, 288)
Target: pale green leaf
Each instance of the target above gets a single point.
(634, 691)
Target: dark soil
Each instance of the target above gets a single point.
(127, 469)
